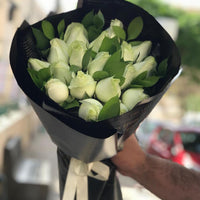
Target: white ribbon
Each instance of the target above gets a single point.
(77, 180)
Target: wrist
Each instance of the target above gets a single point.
(140, 166)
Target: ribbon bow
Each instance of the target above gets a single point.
(77, 182)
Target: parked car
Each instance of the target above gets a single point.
(179, 144)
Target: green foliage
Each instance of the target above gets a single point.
(39, 77)
(135, 28)
(61, 28)
(42, 42)
(143, 80)
(119, 32)
(86, 59)
(162, 68)
(188, 40)
(110, 109)
(48, 29)
(70, 105)
(110, 45)
(94, 24)
(74, 68)
(99, 75)
(191, 103)
(114, 66)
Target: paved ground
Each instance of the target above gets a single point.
(42, 148)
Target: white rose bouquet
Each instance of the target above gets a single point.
(92, 75)
(103, 72)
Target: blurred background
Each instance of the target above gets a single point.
(171, 131)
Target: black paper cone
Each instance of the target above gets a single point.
(91, 141)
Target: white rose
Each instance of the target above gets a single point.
(58, 51)
(133, 96)
(147, 65)
(142, 50)
(76, 31)
(57, 90)
(98, 63)
(37, 64)
(123, 109)
(90, 109)
(76, 52)
(81, 85)
(115, 22)
(96, 44)
(129, 75)
(107, 88)
(127, 52)
(62, 72)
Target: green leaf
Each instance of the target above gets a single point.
(110, 109)
(86, 96)
(73, 104)
(162, 67)
(42, 42)
(135, 86)
(44, 74)
(74, 68)
(135, 28)
(141, 76)
(61, 27)
(98, 20)
(93, 54)
(110, 45)
(119, 32)
(114, 66)
(34, 77)
(62, 36)
(93, 33)
(45, 53)
(39, 77)
(99, 75)
(148, 82)
(135, 43)
(88, 19)
(86, 59)
(48, 29)
(122, 80)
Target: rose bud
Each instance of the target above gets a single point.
(98, 63)
(110, 31)
(96, 44)
(123, 109)
(76, 31)
(82, 85)
(128, 53)
(76, 52)
(147, 65)
(90, 109)
(37, 64)
(133, 96)
(142, 50)
(57, 90)
(107, 88)
(61, 71)
(58, 51)
(129, 75)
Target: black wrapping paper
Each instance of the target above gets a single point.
(92, 141)
(163, 46)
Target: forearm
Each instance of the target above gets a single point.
(168, 180)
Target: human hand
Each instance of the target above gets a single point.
(131, 159)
